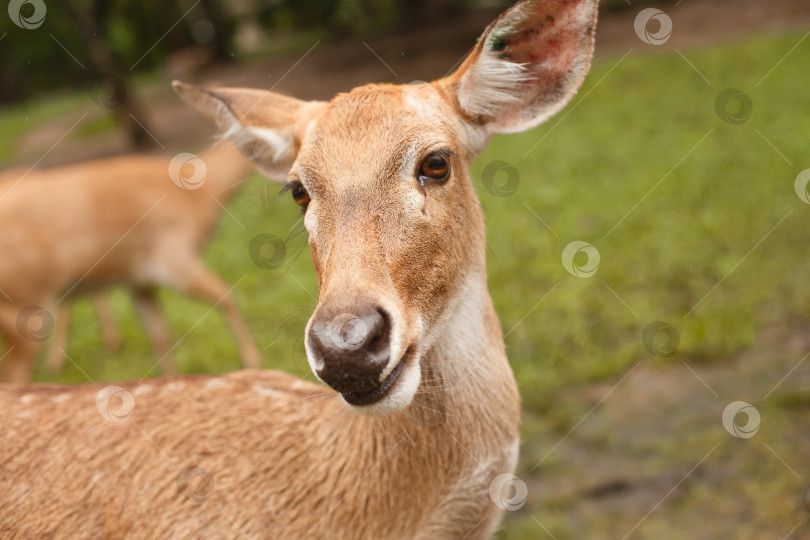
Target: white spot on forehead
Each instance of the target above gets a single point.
(174, 386)
(61, 397)
(27, 398)
(423, 99)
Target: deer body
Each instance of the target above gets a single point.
(77, 229)
(321, 473)
(419, 416)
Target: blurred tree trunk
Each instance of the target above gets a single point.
(93, 29)
(219, 44)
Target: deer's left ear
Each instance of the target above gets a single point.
(527, 65)
(267, 127)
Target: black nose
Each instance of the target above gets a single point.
(352, 346)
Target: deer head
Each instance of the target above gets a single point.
(381, 176)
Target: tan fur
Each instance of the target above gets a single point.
(277, 457)
(82, 227)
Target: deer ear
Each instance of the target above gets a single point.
(268, 128)
(527, 65)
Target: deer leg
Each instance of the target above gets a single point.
(154, 322)
(204, 284)
(55, 360)
(20, 356)
(106, 320)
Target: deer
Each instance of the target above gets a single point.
(415, 415)
(140, 221)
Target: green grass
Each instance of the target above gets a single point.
(710, 242)
(14, 123)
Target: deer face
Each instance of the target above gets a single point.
(381, 176)
(393, 223)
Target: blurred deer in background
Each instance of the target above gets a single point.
(78, 229)
(110, 336)
(420, 423)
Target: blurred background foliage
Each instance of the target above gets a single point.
(113, 41)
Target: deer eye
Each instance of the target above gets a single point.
(435, 166)
(300, 196)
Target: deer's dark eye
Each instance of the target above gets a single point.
(300, 196)
(435, 167)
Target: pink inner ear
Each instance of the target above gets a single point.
(547, 37)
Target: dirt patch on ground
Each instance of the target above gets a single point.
(650, 449)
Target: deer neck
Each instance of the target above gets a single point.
(464, 419)
(466, 374)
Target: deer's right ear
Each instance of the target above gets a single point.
(268, 128)
(526, 66)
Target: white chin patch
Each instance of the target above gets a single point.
(399, 396)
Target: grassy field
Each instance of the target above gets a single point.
(697, 225)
